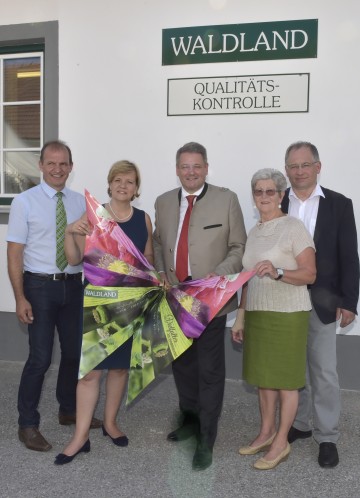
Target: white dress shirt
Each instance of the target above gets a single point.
(306, 210)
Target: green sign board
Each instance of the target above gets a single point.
(240, 42)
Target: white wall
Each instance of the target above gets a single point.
(113, 95)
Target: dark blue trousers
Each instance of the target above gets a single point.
(55, 304)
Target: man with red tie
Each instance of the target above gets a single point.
(199, 233)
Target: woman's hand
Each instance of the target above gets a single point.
(237, 330)
(266, 269)
(79, 227)
(74, 243)
(304, 274)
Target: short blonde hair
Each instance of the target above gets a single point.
(120, 168)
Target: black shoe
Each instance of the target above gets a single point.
(328, 455)
(202, 457)
(183, 432)
(61, 458)
(295, 434)
(119, 441)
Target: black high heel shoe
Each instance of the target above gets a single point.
(61, 458)
(119, 441)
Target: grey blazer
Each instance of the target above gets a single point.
(217, 234)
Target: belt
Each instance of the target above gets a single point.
(56, 276)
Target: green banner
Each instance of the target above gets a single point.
(240, 42)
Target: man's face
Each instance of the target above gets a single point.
(55, 167)
(191, 170)
(302, 170)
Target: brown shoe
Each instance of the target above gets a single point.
(95, 423)
(67, 419)
(33, 439)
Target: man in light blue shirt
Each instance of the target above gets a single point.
(46, 296)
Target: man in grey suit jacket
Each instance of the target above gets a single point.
(216, 240)
(329, 217)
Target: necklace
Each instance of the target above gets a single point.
(117, 217)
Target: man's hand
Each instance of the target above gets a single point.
(164, 280)
(211, 275)
(237, 330)
(24, 311)
(346, 317)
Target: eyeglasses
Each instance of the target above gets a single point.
(270, 192)
(303, 166)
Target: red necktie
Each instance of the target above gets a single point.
(182, 253)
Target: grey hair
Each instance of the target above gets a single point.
(270, 174)
(193, 148)
(299, 145)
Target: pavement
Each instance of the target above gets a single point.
(153, 467)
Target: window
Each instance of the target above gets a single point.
(21, 123)
(29, 102)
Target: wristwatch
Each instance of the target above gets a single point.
(280, 273)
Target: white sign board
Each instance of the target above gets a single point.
(265, 93)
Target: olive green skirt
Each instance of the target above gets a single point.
(275, 349)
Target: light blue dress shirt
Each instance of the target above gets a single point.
(32, 222)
